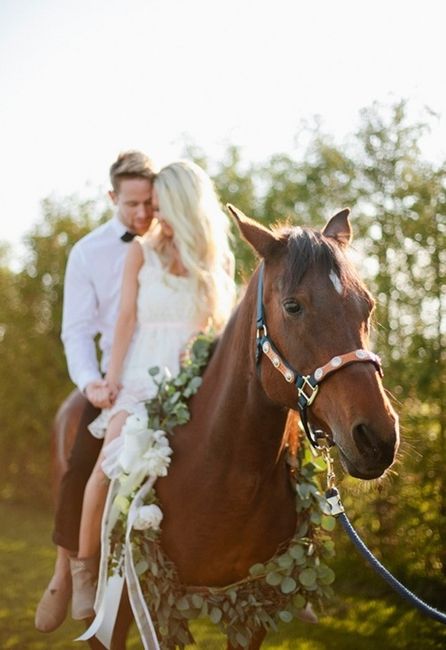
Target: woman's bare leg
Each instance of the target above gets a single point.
(95, 496)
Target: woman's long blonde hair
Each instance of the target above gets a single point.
(189, 204)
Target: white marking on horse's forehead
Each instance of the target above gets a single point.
(336, 281)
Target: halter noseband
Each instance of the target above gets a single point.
(307, 385)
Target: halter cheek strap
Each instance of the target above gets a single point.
(307, 385)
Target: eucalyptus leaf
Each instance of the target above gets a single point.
(326, 575)
(241, 639)
(298, 601)
(285, 616)
(297, 552)
(308, 577)
(182, 603)
(288, 585)
(257, 569)
(303, 529)
(329, 546)
(141, 567)
(197, 601)
(215, 615)
(315, 518)
(285, 561)
(328, 522)
(232, 594)
(273, 578)
(195, 383)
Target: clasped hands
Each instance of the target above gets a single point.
(102, 393)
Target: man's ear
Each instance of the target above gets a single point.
(114, 196)
(263, 240)
(339, 228)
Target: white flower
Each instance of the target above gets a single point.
(144, 452)
(135, 445)
(148, 517)
(135, 424)
(157, 457)
(158, 461)
(160, 437)
(166, 374)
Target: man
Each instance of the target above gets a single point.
(91, 300)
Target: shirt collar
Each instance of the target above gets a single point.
(118, 226)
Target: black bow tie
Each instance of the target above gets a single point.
(128, 236)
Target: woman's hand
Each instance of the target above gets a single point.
(97, 393)
(113, 387)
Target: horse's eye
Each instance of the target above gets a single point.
(292, 307)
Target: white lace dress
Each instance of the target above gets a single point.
(166, 319)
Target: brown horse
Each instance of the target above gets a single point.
(227, 500)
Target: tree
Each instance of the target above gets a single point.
(30, 348)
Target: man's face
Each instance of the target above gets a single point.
(134, 204)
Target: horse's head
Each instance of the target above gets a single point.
(317, 313)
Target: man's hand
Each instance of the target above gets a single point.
(100, 394)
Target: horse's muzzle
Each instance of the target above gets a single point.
(371, 453)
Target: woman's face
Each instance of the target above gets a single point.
(166, 228)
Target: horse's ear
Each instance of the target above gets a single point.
(339, 228)
(261, 239)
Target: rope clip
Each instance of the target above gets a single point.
(331, 476)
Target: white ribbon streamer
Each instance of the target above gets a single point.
(137, 600)
(109, 590)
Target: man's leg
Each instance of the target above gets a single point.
(81, 462)
(52, 609)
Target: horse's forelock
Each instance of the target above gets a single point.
(308, 248)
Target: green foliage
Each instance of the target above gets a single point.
(168, 408)
(35, 378)
(273, 592)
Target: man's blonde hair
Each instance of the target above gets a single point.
(131, 164)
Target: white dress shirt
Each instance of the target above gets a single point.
(92, 291)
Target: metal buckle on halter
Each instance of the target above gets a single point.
(259, 338)
(309, 399)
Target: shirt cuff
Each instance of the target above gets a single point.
(85, 378)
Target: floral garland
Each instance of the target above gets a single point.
(274, 591)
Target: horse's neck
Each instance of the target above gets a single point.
(245, 422)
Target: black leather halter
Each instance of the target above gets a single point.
(307, 385)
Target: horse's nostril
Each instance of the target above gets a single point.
(365, 439)
(370, 443)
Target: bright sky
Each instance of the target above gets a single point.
(81, 80)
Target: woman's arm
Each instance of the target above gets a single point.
(125, 324)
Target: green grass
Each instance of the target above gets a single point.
(364, 616)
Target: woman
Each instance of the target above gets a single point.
(178, 280)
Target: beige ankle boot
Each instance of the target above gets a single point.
(52, 608)
(84, 572)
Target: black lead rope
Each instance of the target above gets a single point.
(337, 510)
